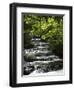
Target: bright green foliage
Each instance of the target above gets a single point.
(49, 28)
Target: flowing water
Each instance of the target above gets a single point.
(40, 58)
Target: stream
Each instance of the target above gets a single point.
(40, 59)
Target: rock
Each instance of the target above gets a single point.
(28, 70)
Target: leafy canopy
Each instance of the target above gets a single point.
(48, 28)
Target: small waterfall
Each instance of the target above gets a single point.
(40, 58)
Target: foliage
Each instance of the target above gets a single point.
(48, 28)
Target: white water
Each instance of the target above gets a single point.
(40, 56)
(58, 72)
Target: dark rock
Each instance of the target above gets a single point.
(28, 70)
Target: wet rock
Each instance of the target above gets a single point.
(28, 70)
(51, 66)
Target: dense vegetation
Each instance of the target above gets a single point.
(48, 28)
